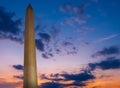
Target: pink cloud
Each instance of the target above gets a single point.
(70, 21)
(79, 9)
(79, 21)
(76, 10)
(62, 23)
(66, 7)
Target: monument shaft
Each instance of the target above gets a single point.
(30, 71)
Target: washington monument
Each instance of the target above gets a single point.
(30, 70)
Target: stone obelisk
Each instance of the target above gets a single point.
(30, 71)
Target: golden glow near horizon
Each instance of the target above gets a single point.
(100, 82)
(77, 43)
(110, 77)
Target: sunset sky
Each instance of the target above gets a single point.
(77, 43)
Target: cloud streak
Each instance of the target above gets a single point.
(106, 38)
(19, 77)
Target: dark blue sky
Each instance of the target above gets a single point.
(79, 39)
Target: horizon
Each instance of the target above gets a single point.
(77, 43)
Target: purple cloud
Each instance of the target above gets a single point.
(10, 84)
(78, 79)
(9, 28)
(66, 7)
(18, 67)
(112, 50)
(109, 63)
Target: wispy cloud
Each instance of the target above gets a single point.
(76, 14)
(45, 41)
(19, 77)
(66, 7)
(106, 38)
(71, 9)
